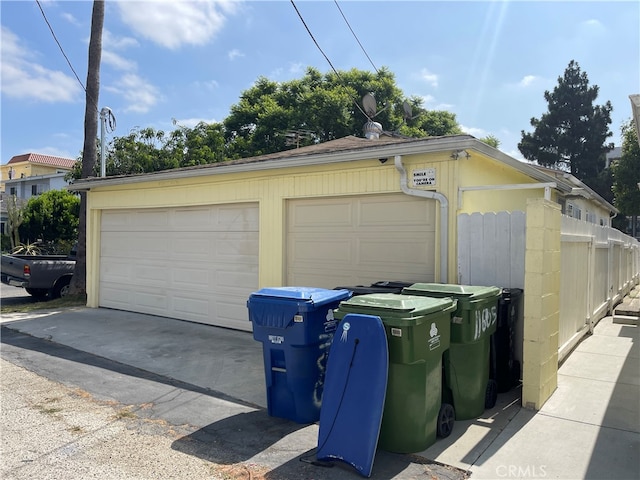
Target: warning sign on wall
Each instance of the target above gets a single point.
(424, 177)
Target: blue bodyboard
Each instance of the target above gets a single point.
(354, 392)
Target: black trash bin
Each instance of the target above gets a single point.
(504, 365)
(295, 326)
(383, 286)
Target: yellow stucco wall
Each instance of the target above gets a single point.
(271, 189)
(541, 303)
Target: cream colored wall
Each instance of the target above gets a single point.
(272, 188)
(541, 303)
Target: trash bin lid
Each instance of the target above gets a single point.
(468, 292)
(311, 295)
(385, 304)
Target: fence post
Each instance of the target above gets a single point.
(541, 302)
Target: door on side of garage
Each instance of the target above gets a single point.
(190, 263)
(344, 241)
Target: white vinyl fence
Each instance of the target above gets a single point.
(491, 248)
(599, 265)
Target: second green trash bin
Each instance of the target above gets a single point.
(417, 336)
(466, 364)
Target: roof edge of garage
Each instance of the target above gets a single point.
(362, 151)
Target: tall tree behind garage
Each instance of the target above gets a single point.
(90, 150)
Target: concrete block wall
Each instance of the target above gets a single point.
(541, 302)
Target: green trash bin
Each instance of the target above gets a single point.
(467, 362)
(417, 335)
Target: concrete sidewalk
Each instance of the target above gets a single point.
(211, 380)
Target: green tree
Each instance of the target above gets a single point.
(51, 217)
(328, 106)
(491, 140)
(200, 145)
(571, 136)
(626, 176)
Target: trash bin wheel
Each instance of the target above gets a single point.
(491, 395)
(446, 418)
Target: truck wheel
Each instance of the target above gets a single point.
(37, 292)
(61, 288)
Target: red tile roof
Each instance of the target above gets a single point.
(43, 160)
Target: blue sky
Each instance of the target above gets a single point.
(487, 62)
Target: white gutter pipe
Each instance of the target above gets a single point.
(519, 186)
(444, 215)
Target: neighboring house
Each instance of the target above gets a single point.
(582, 202)
(28, 175)
(613, 156)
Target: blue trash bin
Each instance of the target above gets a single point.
(295, 326)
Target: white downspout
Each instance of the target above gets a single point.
(444, 215)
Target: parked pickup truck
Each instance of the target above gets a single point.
(39, 275)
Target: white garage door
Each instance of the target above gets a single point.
(195, 263)
(347, 241)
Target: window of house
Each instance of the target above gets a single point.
(12, 191)
(37, 189)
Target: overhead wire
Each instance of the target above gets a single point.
(325, 55)
(355, 36)
(95, 103)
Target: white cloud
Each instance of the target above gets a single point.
(109, 40)
(71, 19)
(297, 68)
(118, 62)
(140, 95)
(235, 53)
(431, 103)
(172, 23)
(192, 122)
(476, 132)
(430, 78)
(593, 27)
(208, 85)
(24, 79)
(527, 82)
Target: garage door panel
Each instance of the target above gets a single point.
(153, 276)
(191, 306)
(236, 218)
(205, 257)
(387, 237)
(329, 213)
(227, 280)
(385, 213)
(230, 309)
(321, 248)
(152, 219)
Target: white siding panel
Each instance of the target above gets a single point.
(198, 264)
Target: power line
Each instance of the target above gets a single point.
(355, 36)
(324, 55)
(64, 54)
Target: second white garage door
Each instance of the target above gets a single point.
(343, 241)
(194, 263)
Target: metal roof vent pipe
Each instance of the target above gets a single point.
(372, 130)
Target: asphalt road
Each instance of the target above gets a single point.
(14, 295)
